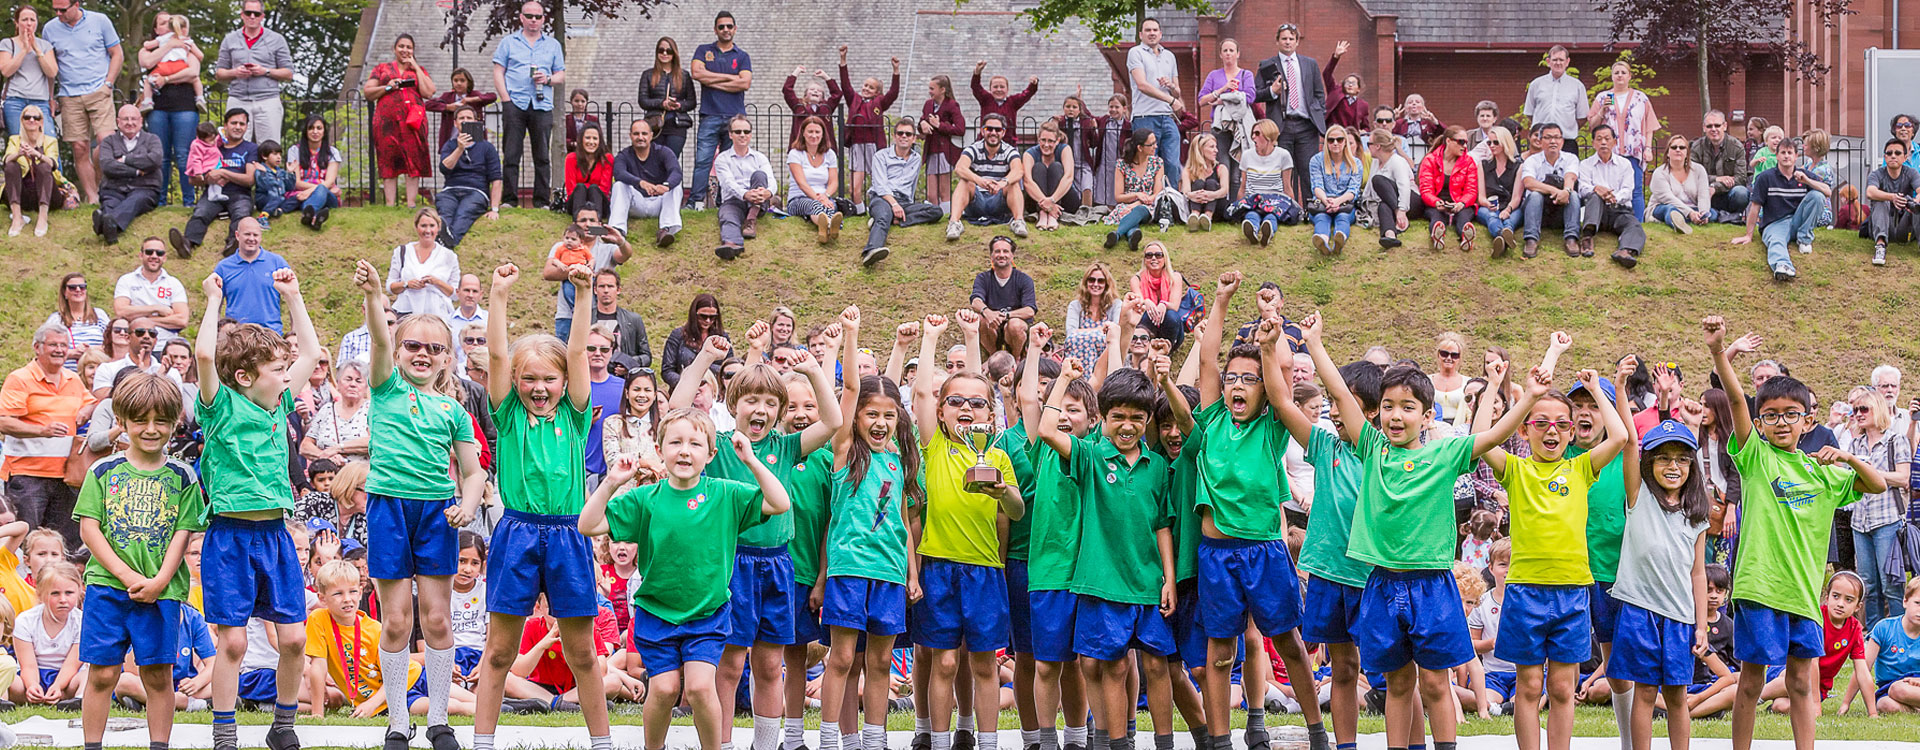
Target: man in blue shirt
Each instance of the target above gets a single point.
(88, 50)
(1786, 205)
(526, 67)
(246, 277)
(229, 189)
(725, 72)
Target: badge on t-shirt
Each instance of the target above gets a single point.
(694, 504)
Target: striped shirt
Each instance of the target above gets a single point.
(30, 395)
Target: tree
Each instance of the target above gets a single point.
(1111, 21)
(319, 34)
(1719, 34)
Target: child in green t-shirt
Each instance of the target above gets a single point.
(1411, 625)
(686, 527)
(136, 511)
(1786, 515)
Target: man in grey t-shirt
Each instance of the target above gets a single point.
(1890, 192)
(254, 61)
(609, 250)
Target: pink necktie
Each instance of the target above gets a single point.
(1293, 88)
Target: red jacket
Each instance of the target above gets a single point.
(1464, 186)
(867, 118)
(1008, 107)
(602, 175)
(947, 123)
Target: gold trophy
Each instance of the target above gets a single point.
(981, 476)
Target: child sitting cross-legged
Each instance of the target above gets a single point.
(341, 642)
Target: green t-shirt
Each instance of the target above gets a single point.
(686, 540)
(139, 511)
(1406, 501)
(1606, 517)
(867, 534)
(1054, 507)
(1184, 491)
(1122, 508)
(1336, 488)
(244, 460)
(541, 460)
(781, 453)
(1787, 502)
(1549, 501)
(1242, 480)
(417, 430)
(810, 488)
(1020, 532)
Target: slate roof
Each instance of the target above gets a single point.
(1471, 23)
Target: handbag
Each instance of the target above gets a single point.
(79, 460)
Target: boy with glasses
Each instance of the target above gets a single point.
(890, 197)
(1890, 193)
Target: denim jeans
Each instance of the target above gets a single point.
(1490, 218)
(1797, 228)
(175, 131)
(15, 104)
(1731, 205)
(1131, 221)
(460, 207)
(321, 198)
(1168, 133)
(1639, 189)
(1327, 225)
(1533, 209)
(1883, 595)
(709, 137)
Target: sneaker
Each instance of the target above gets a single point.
(1806, 247)
(1437, 236)
(283, 738)
(1019, 228)
(1193, 221)
(1625, 258)
(200, 102)
(953, 233)
(1678, 220)
(565, 706)
(1164, 223)
(1466, 238)
(1880, 253)
(1113, 238)
(1783, 272)
(1266, 234)
(1256, 739)
(1321, 244)
(1133, 240)
(398, 740)
(1206, 222)
(1339, 241)
(873, 255)
(1250, 230)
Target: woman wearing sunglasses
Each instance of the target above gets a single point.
(666, 93)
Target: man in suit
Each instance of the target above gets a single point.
(130, 160)
(1296, 100)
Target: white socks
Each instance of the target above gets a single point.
(393, 673)
(795, 734)
(829, 735)
(965, 724)
(1623, 717)
(1077, 735)
(766, 732)
(600, 743)
(990, 739)
(482, 741)
(873, 736)
(439, 676)
(942, 741)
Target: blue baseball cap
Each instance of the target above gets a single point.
(1605, 386)
(1668, 431)
(317, 525)
(349, 544)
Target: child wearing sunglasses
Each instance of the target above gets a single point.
(416, 409)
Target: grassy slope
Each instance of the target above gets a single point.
(1832, 326)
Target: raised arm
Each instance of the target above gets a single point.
(499, 359)
(579, 379)
(773, 494)
(288, 285)
(1537, 383)
(1299, 423)
(1716, 329)
(969, 322)
(1276, 370)
(208, 339)
(831, 415)
(1160, 368)
(1210, 341)
(1027, 395)
(1048, 430)
(380, 340)
(713, 350)
(1630, 452)
(926, 413)
(903, 337)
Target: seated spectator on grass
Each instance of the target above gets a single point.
(593, 246)
(1499, 171)
(589, 172)
(1004, 298)
(818, 97)
(424, 274)
(1551, 181)
(890, 200)
(1450, 189)
(746, 188)
(32, 171)
(1725, 159)
(813, 177)
(1139, 190)
(987, 181)
(316, 173)
(1606, 201)
(1681, 196)
(1390, 192)
(271, 183)
(130, 162)
(1335, 174)
(1786, 207)
(647, 183)
(1157, 296)
(1265, 174)
(1203, 196)
(1890, 195)
(470, 178)
(1052, 166)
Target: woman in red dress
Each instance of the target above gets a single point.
(397, 88)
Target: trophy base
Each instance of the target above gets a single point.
(979, 479)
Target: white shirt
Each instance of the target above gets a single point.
(1615, 174)
(1486, 617)
(469, 617)
(442, 263)
(735, 171)
(104, 374)
(1536, 166)
(1153, 65)
(1561, 101)
(816, 177)
(165, 290)
(49, 649)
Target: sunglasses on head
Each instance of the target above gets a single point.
(415, 347)
(959, 401)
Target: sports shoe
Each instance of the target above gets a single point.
(1019, 228)
(1193, 221)
(1164, 223)
(1783, 272)
(1678, 220)
(283, 738)
(1256, 739)
(1266, 233)
(1499, 244)
(1206, 222)
(1339, 241)
(1806, 247)
(1466, 238)
(441, 737)
(524, 706)
(1250, 230)
(1321, 244)
(1437, 236)
(873, 255)
(398, 740)
(921, 741)
(953, 233)
(1879, 253)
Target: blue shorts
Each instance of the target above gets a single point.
(1648, 649)
(47, 676)
(465, 660)
(259, 686)
(1539, 624)
(1019, 609)
(1412, 616)
(1764, 635)
(1104, 630)
(806, 622)
(1241, 578)
(410, 538)
(664, 646)
(1332, 611)
(1501, 683)
(963, 606)
(250, 569)
(1189, 644)
(531, 554)
(111, 623)
(1604, 611)
(1053, 625)
(418, 690)
(762, 603)
(864, 604)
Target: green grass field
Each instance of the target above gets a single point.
(1832, 326)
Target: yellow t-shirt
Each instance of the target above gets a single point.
(1548, 501)
(960, 526)
(352, 653)
(18, 592)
